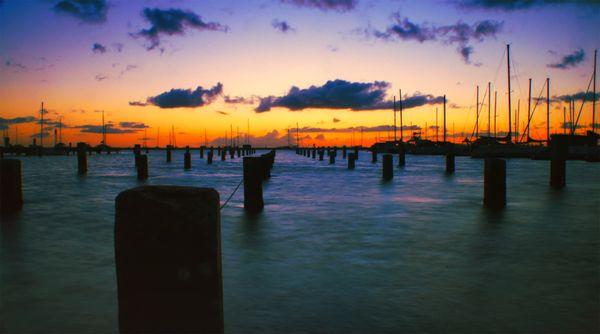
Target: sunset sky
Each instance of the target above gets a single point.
(328, 66)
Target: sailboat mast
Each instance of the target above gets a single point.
(548, 110)
(528, 110)
(436, 124)
(42, 126)
(489, 109)
(395, 120)
(495, 108)
(564, 120)
(509, 136)
(477, 115)
(444, 119)
(401, 122)
(594, 96)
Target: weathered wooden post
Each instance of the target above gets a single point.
(253, 191)
(239, 152)
(401, 155)
(209, 157)
(142, 167)
(331, 158)
(232, 152)
(168, 153)
(168, 260)
(81, 158)
(351, 162)
(321, 153)
(494, 183)
(137, 150)
(187, 158)
(559, 150)
(11, 194)
(223, 155)
(374, 156)
(344, 152)
(314, 153)
(201, 152)
(388, 171)
(450, 161)
(355, 153)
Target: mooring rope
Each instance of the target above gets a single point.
(233, 193)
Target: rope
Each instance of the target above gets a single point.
(233, 193)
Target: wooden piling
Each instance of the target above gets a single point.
(253, 191)
(450, 162)
(494, 183)
(344, 152)
(201, 152)
(187, 158)
(11, 194)
(558, 171)
(81, 158)
(401, 156)
(142, 166)
(373, 156)
(388, 171)
(351, 162)
(168, 260)
(209, 157)
(223, 155)
(331, 158)
(169, 153)
(321, 153)
(314, 153)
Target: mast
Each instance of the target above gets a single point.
(495, 105)
(158, 137)
(528, 110)
(42, 125)
(297, 135)
(436, 125)
(444, 119)
(489, 109)
(509, 136)
(477, 115)
(564, 120)
(517, 120)
(548, 110)
(205, 138)
(60, 129)
(401, 122)
(594, 96)
(395, 120)
(248, 131)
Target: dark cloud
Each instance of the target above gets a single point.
(137, 103)
(239, 99)
(325, 5)
(570, 60)
(98, 48)
(270, 139)
(332, 48)
(222, 112)
(378, 128)
(6, 122)
(336, 120)
(460, 33)
(16, 66)
(580, 96)
(282, 26)
(110, 128)
(168, 22)
(127, 69)
(133, 125)
(510, 5)
(88, 11)
(184, 98)
(341, 94)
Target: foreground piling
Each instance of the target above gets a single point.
(142, 166)
(351, 162)
(11, 194)
(253, 176)
(187, 158)
(373, 156)
(81, 158)
(558, 172)
(388, 171)
(168, 260)
(450, 162)
(494, 183)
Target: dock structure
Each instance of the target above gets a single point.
(173, 285)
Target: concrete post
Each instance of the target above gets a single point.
(494, 183)
(187, 158)
(388, 171)
(11, 194)
(253, 191)
(168, 260)
(81, 158)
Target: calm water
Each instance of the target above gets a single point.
(334, 251)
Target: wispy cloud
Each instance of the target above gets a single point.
(324, 5)
(570, 60)
(461, 34)
(98, 48)
(169, 22)
(282, 26)
(88, 11)
(512, 5)
(15, 66)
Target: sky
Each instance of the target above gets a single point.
(325, 70)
